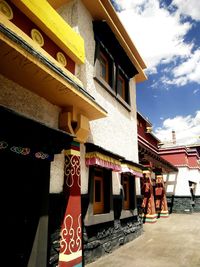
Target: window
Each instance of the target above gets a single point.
(128, 183)
(98, 203)
(111, 76)
(105, 70)
(125, 183)
(104, 67)
(121, 86)
(101, 190)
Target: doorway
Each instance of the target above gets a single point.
(24, 199)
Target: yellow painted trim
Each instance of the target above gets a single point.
(61, 59)
(48, 20)
(100, 113)
(134, 168)
(6, 9)
(103, 10)
(29, 41)
(37, 37)
(72, 152)
(95, 154)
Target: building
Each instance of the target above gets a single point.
(68, 72)
(153, 201)
(109, 158)
(183, 189)
(45, 113)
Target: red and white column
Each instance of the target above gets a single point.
(71, 231)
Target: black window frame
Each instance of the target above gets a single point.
(114, 70)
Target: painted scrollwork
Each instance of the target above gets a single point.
(70, 237)
(78, 233)
(72, 170)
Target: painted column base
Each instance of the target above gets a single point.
(147, 218)
(163, 214)
(153, 218)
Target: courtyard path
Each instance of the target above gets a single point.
(170, 242)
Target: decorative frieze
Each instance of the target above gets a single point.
(6, 9)
(37, 37)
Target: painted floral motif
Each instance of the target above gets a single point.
(70, 235)
(72, 169)
(71, 231)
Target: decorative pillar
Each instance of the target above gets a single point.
(160, 197)
(148, 205)
(71, 231)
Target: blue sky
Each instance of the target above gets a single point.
(167, 35)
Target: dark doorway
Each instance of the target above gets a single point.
(24, 199)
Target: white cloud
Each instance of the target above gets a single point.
(195, 91)
(188, 71)
(157, 33)
(187, 129)
(188, 7)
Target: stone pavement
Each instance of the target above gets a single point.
(170, 242)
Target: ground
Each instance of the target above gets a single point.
(170, 242)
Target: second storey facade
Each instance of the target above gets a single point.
(109, 156)
(68, 76)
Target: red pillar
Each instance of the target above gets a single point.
(148, 205)
(71, 231)
(160, 198)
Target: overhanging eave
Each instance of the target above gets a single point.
(30, 66)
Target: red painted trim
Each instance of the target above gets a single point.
(26, 25)
(70, 263)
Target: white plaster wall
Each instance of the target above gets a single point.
(181, 183)
(57, 173)
(116, 184)
(24, 101)
(69, 12)
(118, 131)
(170, 180)
(194, 176)
(182, 187)
(84, 171)
(137, 186)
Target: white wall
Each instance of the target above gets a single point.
(194, 176)
(137, 186)
(181, 182)
(118, 131)
(25, 102)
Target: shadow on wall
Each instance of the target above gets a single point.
(170, 187)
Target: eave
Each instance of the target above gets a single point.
(26, 63)
(151, 155)
(103, 10)
(50, 22)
